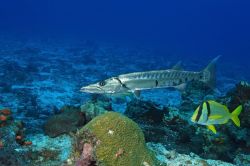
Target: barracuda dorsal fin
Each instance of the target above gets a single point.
(177, 66)
(211, 69)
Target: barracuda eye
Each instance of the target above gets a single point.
(102, 83)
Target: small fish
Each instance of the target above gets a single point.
(210, 113)
(135, 82)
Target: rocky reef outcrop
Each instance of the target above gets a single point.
(67, 121)
(91, 109)
(173, 158)
(176, 132)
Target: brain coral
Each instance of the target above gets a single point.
(119, 141)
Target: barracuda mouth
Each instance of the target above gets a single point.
(92, 89)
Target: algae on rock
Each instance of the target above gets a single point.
(92, 109)
(69, 120)
(119, 141)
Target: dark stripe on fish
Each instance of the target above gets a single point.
(156, 83)
(199, 113)
(208, 109)
(122, 84)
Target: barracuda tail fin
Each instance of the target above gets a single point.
(209, 73)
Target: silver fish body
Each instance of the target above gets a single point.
(152, 79)
(159, 79)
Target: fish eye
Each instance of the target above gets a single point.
(102, 83)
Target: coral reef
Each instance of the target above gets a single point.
(38, 78)
(242, 160)
(172, 158)
(175, 131)
(116, 140)
(48, 151)
(140, 111)
(169, 124)
(12, 132)
(9, 157)
(67, 121)
(5, 117)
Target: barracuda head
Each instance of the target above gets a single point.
(111, 85)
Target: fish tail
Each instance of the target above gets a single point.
(235, 115)
(209, 73)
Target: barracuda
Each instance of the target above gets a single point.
(135, 82)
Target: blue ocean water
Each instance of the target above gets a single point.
(49, 49)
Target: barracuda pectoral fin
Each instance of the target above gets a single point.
(137, 94)
(124, 97)
(212, 128)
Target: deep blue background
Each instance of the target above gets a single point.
(200, 28)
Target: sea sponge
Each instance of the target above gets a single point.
(118, 141)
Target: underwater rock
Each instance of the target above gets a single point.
(10, 157)
(242, 160)
(142, 111)
(68, 121)
(48, 151)
(91, 109)
(150, 119)
(114, 140)
(8, 134)
(12, 133)
(240, 94)
(172, 158)
(196, 92)
(179, 133)
(169, 124)
(221, 143)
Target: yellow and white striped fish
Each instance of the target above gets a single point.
(210, 113)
